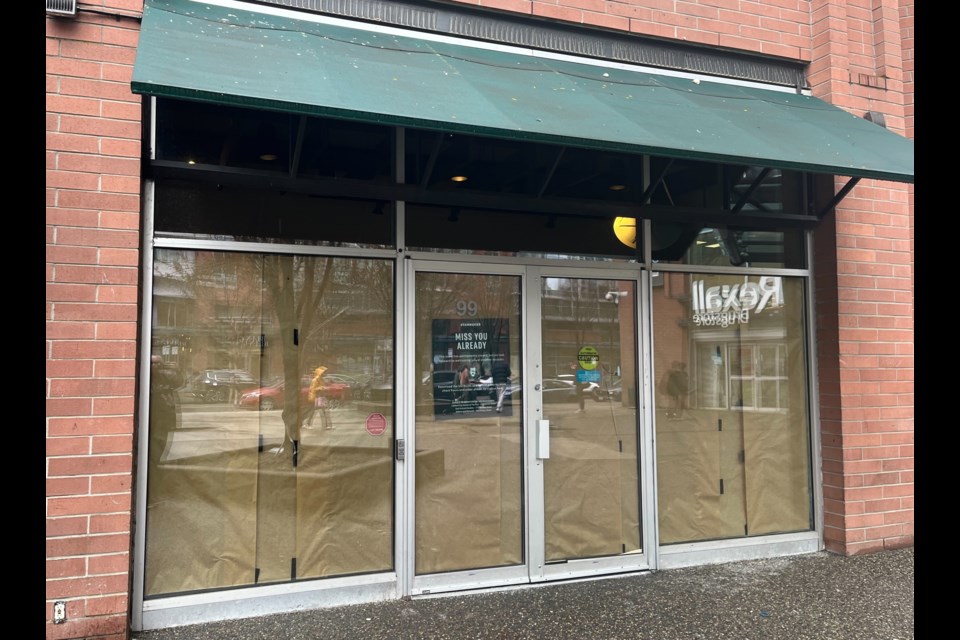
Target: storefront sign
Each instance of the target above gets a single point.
(376, 424)
(466, 353)
(588, 358)
(728, 304)
(584, 376)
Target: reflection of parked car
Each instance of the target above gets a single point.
(265, 398)
(378, 392)
(339, 377)
(273, 396)
(611, 389)
(556, 390)
(599, 392)
(216, 385)
(358, 388)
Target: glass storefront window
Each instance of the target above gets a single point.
(271, 420)
(271, 143)
(727, 188)
(448, 163)
(270, 454)
(200, 210)
(681, 243)
(733, 432)
(512, 233)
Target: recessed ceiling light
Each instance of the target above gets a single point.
(269, 157)
(617, 187)
(458, 178)
(191, 161)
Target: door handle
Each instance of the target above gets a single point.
(543, 439)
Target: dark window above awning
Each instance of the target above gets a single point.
(301, 63)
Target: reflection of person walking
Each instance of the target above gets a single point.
(501, 379)
(315, 395)
(677, 387)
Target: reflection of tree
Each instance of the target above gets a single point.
(371, 296)
(375, 278)
(294, 291)
(294, 302)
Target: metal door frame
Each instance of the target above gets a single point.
(533, 407)
(533, 569)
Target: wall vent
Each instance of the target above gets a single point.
(62, 7)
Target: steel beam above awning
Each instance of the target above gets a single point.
(239, 54)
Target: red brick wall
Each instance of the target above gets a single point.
(92, 278)
(771, 27)
(864, 278)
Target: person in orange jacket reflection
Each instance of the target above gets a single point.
(315, 396)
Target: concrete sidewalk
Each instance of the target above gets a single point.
(820, 596)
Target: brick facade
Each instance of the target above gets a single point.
(864, 280)
(860, 54)
(92, 289)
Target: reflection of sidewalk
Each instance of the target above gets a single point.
(220, 430)
(596, 416)
(209, 407)
(338, 456)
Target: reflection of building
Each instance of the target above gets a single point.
(209, 314)
(738, 357)
(257, 230)
(741, 349)
(750, 376)
(567, 304)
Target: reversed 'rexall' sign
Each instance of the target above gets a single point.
(588, 358)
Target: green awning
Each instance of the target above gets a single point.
(290, 61)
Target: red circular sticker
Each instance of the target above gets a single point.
(376, 424)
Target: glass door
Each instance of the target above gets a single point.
(468, 431)
(586, 452)
(525, 436)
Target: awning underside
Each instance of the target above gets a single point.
(290, 62)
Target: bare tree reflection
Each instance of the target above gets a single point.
(294, 292)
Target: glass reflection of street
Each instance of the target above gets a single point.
(211, 428)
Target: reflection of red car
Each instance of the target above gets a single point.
(272, 397)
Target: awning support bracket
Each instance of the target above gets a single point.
(837, 198)
(656, 183)
(298, 147)
(553, 169)
(431, 162)
(753, 187)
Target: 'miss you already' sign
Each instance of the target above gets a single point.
(728, 304)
